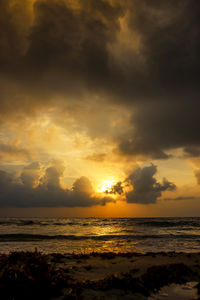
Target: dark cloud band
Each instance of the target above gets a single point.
(32, 189)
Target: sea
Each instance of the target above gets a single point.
(86, 235)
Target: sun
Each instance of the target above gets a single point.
(105, 185)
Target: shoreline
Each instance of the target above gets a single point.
(94, 275)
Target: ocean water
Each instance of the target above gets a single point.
(85, 235)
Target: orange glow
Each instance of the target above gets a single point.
(105, 185)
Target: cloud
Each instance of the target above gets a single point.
(142, 187)
(146, 189)
(33, 189)
(192, 151)
(160, 128)
(11, 151)
(166, 117)
(39, 186)
(30, 175)
(65, 47)
(182, 198)
(97, 157)
(58, 54)
(116, 189)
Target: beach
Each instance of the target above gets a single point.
(99, 258)
(30, 275)
(99, 150)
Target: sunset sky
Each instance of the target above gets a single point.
(99, 108)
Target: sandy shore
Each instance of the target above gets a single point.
(94, 276)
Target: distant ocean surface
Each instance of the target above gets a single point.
(84, 235)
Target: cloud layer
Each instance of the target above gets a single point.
(146, 189)
(123, 73)
(142, 187)
(37, 188)
(56, 48)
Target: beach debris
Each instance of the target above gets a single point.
(28, 275)
(33, 275)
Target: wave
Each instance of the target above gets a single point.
(48, 223)
(37, 223)
(174, 223)
(22, 223)
(37, 237)
(124, 223)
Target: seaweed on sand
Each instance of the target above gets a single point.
(150, 282)
(28, 275)
(158, 276)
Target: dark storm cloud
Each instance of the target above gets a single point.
(161, 127)
(21, 192)
(146, 189)
(38, 187)
(73, 41)
(67, 51)
(30, 174)
(169, 45)
(9, 36)
(116, 189)
(66, 48)
(182, 198)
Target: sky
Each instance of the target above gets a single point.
(99, 108)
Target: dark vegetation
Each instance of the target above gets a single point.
(150, 282)
(30, 275)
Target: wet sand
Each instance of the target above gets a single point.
(94, 276)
